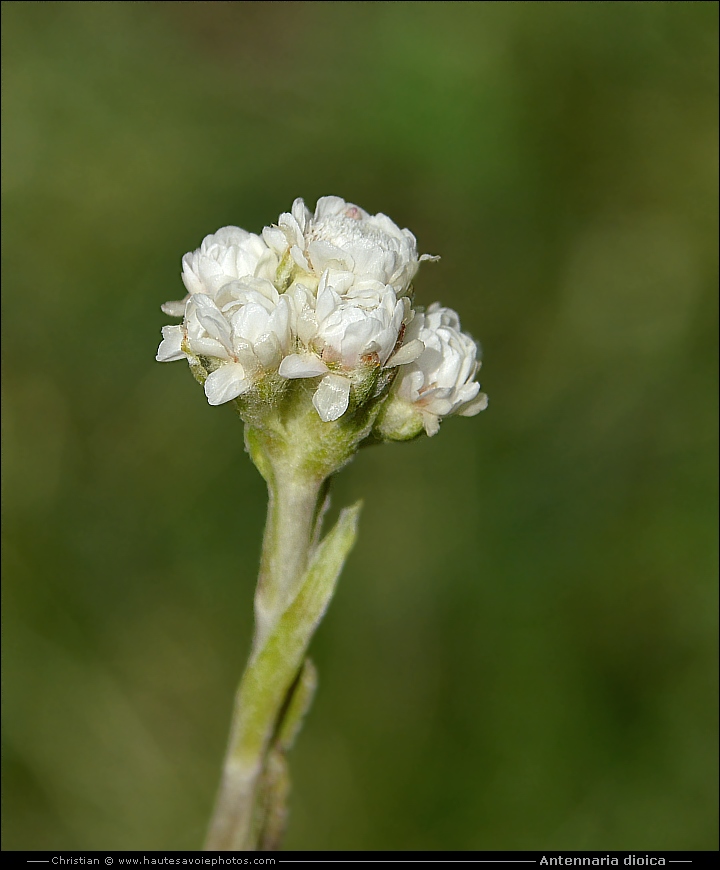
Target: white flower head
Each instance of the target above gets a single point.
(344, 238)
(441, 381)
(325, 296)
(224, 256)
(341, 339)
(243, 334)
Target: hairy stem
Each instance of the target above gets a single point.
(297, 580)
(293, 504)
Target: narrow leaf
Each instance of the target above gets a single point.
(275, 667)
(246, 800)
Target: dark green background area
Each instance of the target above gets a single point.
(521, 653)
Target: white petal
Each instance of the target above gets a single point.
(227, 236)
(208, 347)
(357, 339)
(479, 403)
(212, 320)
(290, 225)
(327, 301)
(275, 238)
(327, 205)
(250, 322)
(191, 281)
(323, 254)
(406, 354)
(302, 365)
(174, 309)
(435, 403)
(279, 322)
(341, 282)
(301, 213)
(267, 349)
(466, 393)
(431, 422)
(246, 356)
(171, 346)
(226, 383)
(267, 265)
(331, 397)
(299, 258)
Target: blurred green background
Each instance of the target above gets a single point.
(521, 654)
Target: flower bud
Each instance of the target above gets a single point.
(439, 383)
(342, 237)
(224, 256)
(341, 340)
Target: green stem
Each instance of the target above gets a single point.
(292, 509)
(293, 503)
(297, 580)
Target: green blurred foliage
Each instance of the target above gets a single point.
(521, 654)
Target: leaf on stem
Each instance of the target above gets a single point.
(272, 698)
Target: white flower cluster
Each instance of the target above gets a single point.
(324, 296)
